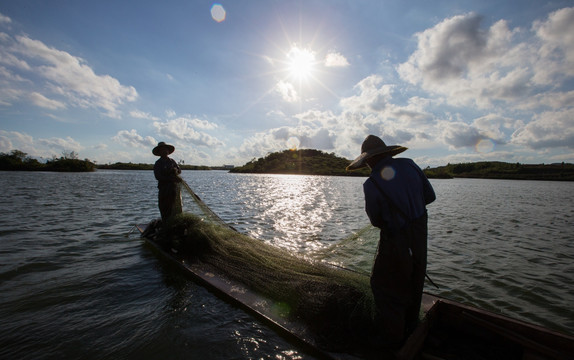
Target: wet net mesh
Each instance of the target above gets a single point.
(336, 304)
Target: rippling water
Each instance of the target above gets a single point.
(73, 285)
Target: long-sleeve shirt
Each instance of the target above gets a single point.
(405, 184)
(163, 170)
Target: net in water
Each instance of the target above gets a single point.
(335, 304)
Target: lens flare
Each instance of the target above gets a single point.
(293, 143)
(218, 12)
(388, 173)
(484, 146)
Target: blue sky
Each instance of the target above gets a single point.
(226, 82)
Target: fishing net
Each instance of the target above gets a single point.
(336, 304)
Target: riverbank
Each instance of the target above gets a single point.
(502, 170)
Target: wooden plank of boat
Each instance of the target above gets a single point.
(451, 330)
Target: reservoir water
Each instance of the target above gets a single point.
(75, 284)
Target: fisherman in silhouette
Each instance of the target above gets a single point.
(396, 195)
(167, 172)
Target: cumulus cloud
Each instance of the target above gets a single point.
(61, 144)
(336, 60)
(548, 129)
(466, 63)
(185, 129)
(556, 52)
(373, 95)
(474, 65)
(279, 139)
(131, 138)
(42, 147)
(287, 91)
(66, 80)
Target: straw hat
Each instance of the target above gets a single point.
(170, 148)
(374, 145)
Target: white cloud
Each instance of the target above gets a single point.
(133, 139)
(184, 129)
(287, 91)
(557, 49)
(373, 96)
(548, 129)
(42, 148)
(5, 20)
(472, 65)
(336, 60)
(65, 79)
(42, 101)
(61, 144)
(142, 115)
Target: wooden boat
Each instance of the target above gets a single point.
(449, 330)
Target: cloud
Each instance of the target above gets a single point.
(184, 128)
(133, 139)
(556, 51)
(474, 66)
(60, 144)
(279, 139)
(5, 20)
(42, 101)
(336, 60)
(548, 129)
(43, 72)
(373, 96)
(287, 91)
(48, 147)
(142, 115)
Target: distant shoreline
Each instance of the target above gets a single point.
(478, 170)
(306, 162)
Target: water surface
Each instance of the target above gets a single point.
(74, 285)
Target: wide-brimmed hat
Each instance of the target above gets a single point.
(374, 145)
(160, 145)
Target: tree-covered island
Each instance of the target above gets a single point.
(68, 162)
(316, 162)
(300, 162)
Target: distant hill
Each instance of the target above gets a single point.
(301, 162)
(316, 162)
(502, 170)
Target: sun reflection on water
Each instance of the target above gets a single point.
(294, 211)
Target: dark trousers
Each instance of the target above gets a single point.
(169, 200)
(398, 278)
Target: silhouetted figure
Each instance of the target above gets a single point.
(167, 172)
(396, 195)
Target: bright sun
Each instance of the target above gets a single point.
(300, 63)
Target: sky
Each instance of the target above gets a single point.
(228, 82)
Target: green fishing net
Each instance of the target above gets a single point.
(335, 304)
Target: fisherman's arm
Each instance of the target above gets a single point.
(373, 205)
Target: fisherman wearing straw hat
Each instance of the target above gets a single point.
(167, 172)
(396, 195)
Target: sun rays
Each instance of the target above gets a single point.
(300, 63)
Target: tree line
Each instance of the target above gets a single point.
(68, 162)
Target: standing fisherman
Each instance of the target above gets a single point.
(396, 195)
(167, 172)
